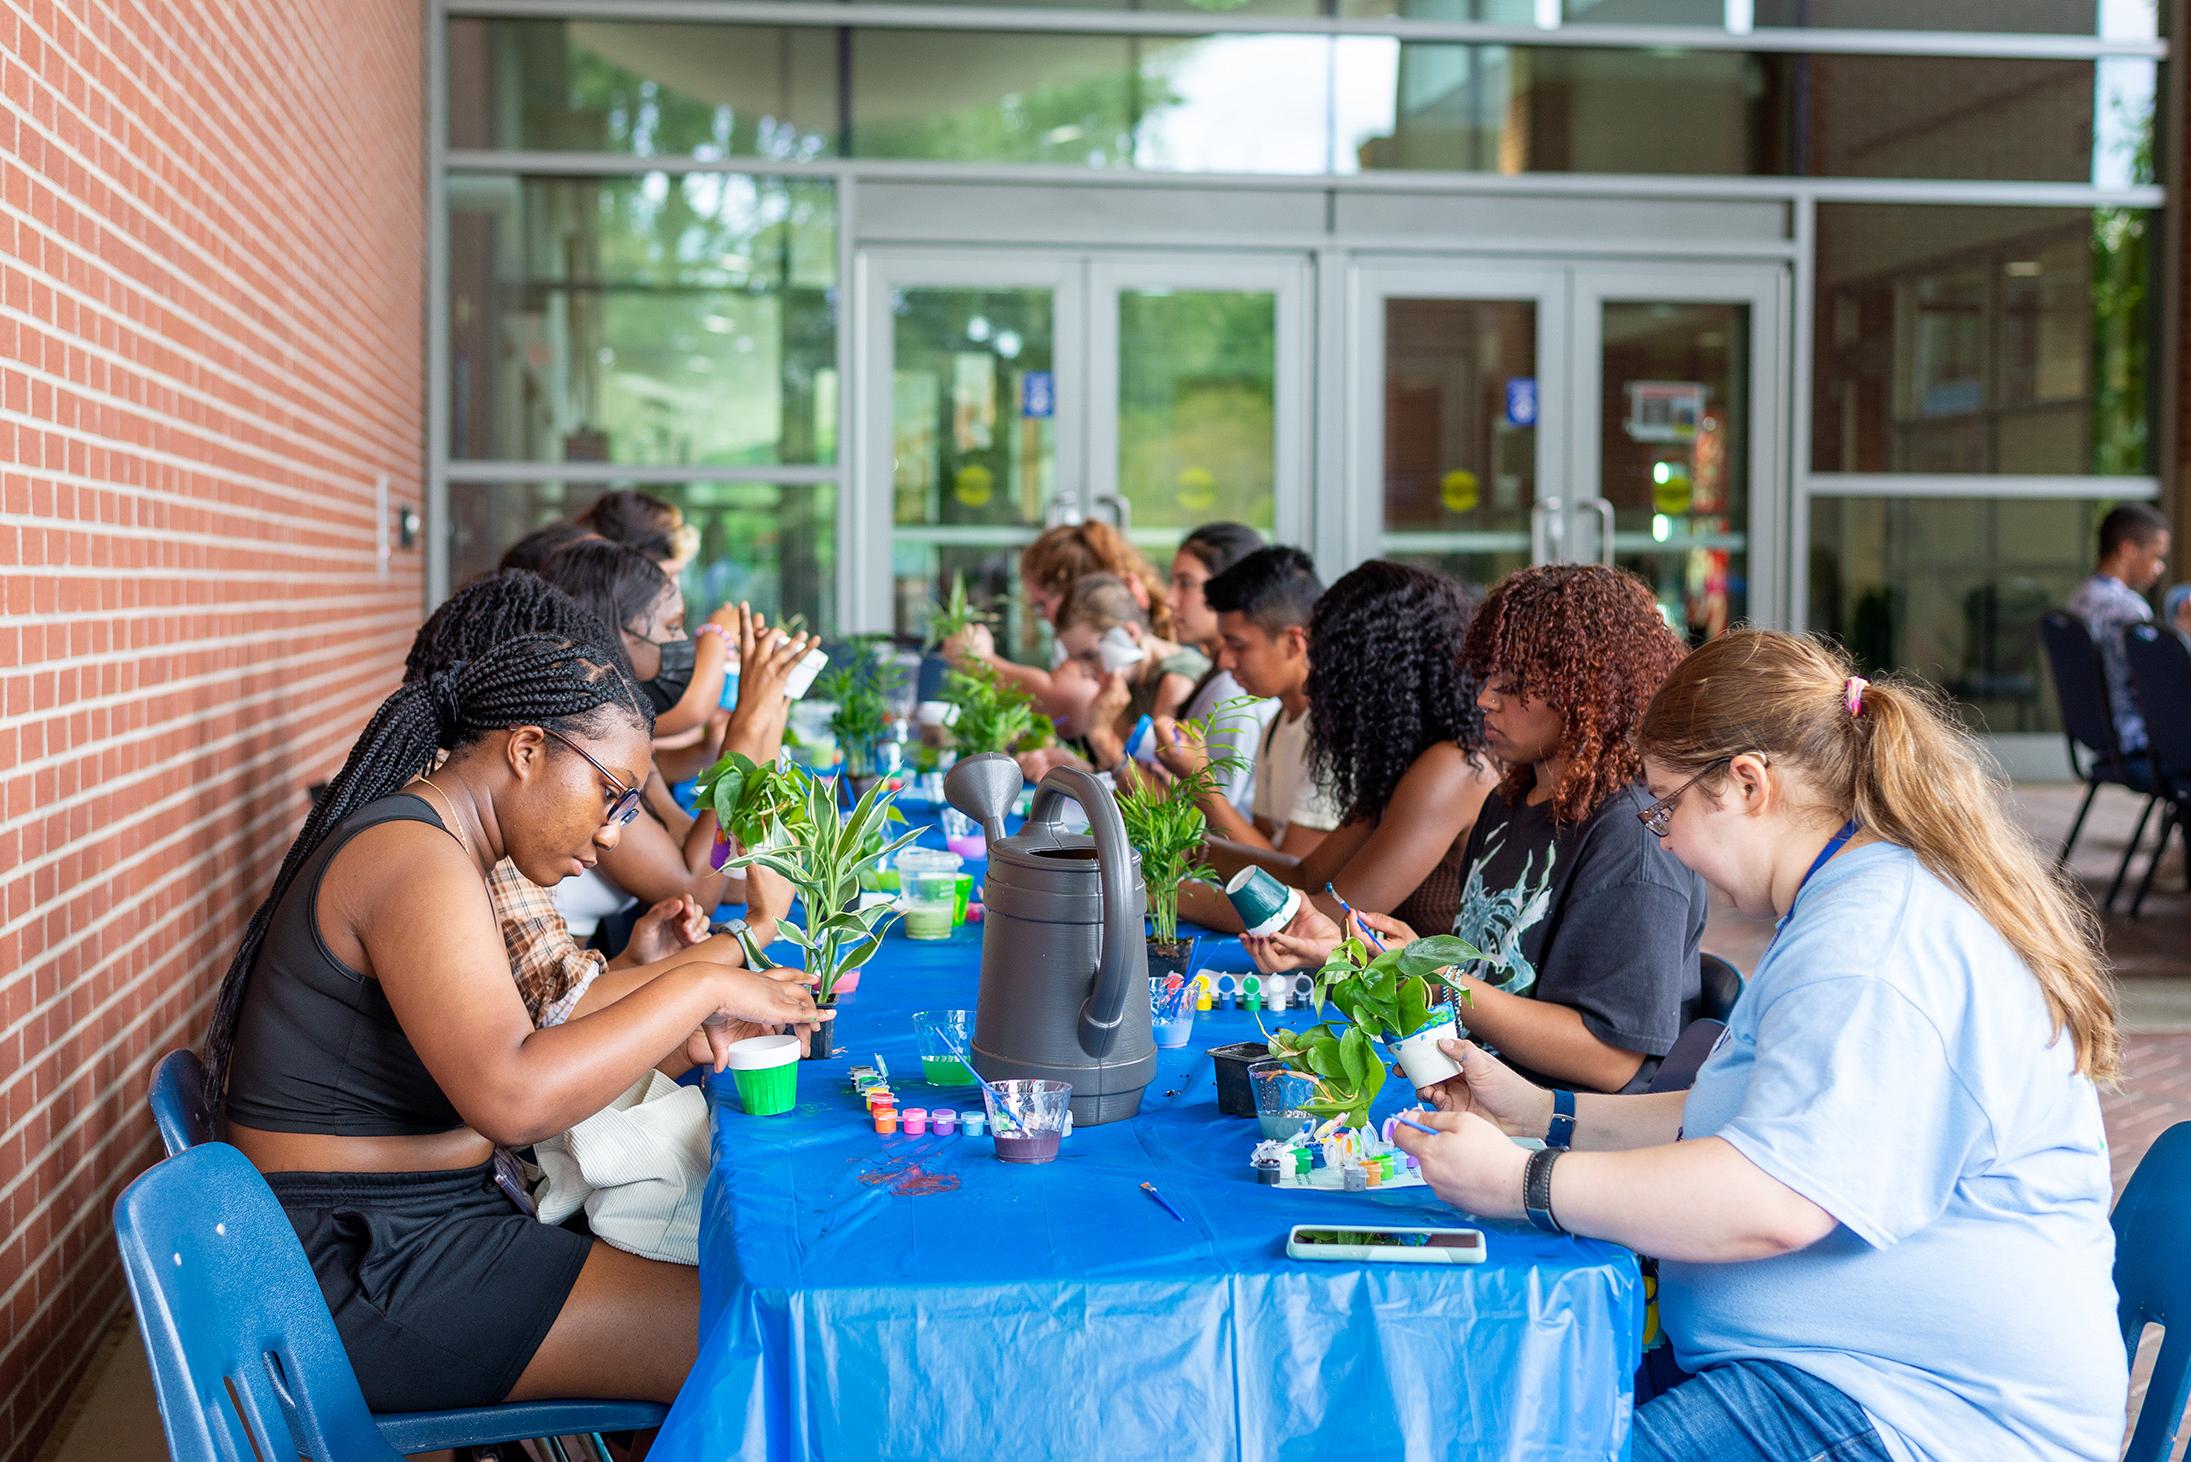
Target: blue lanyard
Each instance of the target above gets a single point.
(1833, 845)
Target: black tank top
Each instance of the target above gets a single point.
(317, 1046)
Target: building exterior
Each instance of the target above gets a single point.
(1850, 314)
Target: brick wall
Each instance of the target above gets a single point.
(211, 291)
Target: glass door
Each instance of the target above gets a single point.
(1458, 404)
(1005, 393)
(1680, 368)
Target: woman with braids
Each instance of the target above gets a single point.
(372, 1053)
(1881, 1213)
(1590, 927)
(1394, 749)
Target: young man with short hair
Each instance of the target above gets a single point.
(2133, 555)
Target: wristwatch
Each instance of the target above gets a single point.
(740, 930)
(1560, 1131)
(1537, 1189)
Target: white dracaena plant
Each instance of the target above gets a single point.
(822, 856)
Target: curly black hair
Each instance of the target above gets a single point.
(1385, 681)
(1589, 642)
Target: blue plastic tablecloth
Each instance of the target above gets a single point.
(912, 1297)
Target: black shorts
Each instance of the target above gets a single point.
(440, 1288)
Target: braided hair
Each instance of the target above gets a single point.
(498, 607)
(1385, 681)
(531, 680)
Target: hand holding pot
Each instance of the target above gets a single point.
(1488, 1088)
(774, 997)
(1303, 944)
(971, 644)
(1469, 1163)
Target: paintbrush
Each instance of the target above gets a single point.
(1004, 1104)
(1150, 1189)
(1367, 932)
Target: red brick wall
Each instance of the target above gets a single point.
(211, 345)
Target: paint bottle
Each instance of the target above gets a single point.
(886, 1121)
(915, 1120)
(972, 1123)
(1303, 1160)
(1373, 1174)
(1354, 1179)
(944, 1120)
(1414, 1164)
(1202, 1001)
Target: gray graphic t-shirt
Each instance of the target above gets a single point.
(1596, 916)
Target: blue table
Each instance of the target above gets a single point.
(903, 1297)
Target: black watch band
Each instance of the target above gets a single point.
(1537, 1189)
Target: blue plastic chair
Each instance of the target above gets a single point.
(2160, 674)
(245, 1358)
(178, 1102)
(2088, 724)
(2152, 1233)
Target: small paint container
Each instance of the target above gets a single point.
(1373, 1174)
(1414, 1164)
(1202, 1001)
(875, 1094)
(972, 1123)
(1303, 1160)
(915, 1120)
(1266, 1173)
(943, 1121)
(886, 1121)
(1352, 1178)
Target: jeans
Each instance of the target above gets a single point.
(1755, 1411)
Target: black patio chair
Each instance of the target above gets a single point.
(2088, 723)
(2160, 673)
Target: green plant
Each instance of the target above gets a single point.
(1345, 1064)
(749, 800)
(955, 614)
(860, 690)
(994, 714)
(822, 856)
(1165, 825)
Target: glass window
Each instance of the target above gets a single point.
(1439, 106)
(2119, 20)
(1235, 103)
(647, 89)
(773, 547)
(1952, 589)
(2013, 340)
(656, 319)
(1197, 406)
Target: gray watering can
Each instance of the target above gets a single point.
(1064, 966)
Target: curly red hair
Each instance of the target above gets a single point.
(1589, 642)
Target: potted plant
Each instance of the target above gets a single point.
(993, 714)
(1344, 1064)
(749, 801)
(1391, 997)
(1165, 825)
(822, 855)
(860, 690)
(955, 615)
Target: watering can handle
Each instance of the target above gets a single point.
(1104, 1012)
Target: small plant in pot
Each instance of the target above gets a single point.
(955, 614)
(860, 691)
(993, 714)
(749, 801)
(1391, 997)
(1165, 825)
(1345, 1065)
(822, 855)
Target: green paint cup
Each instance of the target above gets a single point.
(1264, 905)
(766, 1069)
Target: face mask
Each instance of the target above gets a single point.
(669, 683)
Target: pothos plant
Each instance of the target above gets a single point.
(748, 799)
(822, 856)
(1165, 824)
(1384, 997)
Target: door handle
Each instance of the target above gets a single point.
(1604, 510)
(1545, 526)
(1063, 508)
(1122, 512)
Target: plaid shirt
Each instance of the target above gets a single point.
(550, 968)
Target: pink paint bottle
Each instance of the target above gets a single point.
(916, 1121)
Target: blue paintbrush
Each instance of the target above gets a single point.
(1367, 933)
(1004, 1105)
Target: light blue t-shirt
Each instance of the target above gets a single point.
(1893, 1061)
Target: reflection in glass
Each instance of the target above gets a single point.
(973, 425)
(1984, 340)
(1674, 439)
(1460, 434)
(1952, 588)
(2120, 20)
(658, 320)
(652, 90)
(773, 547)
(1197, 401)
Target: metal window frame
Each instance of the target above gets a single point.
(1979, 485)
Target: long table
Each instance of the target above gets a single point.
(912, 1297)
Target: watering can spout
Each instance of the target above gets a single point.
(984, 787)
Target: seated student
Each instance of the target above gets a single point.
(2133, 555)
(1394, 743)
(1881, 1213)
(681, 674)
(1592, 928)
(555, 975)
(371, 1052)
(1100, 615)
(1206, 552)
(1048, 568)
(645, 523)
(540, 545)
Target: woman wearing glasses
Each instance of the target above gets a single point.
(1901, 1117)
(371, 1053)
(1592, 930)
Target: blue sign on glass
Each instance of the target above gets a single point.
(1038, 394)
(1521, 400)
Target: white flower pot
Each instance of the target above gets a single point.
(1420, 1057)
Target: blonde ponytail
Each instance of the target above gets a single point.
(1904, 767)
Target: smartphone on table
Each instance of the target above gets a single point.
(1386, 1245)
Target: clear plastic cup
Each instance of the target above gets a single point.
(929, 881)
(1030, 1122)
(1281, 1093)
(962, 835)
(938, 1032)
(1171, 1014)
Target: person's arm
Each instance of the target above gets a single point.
(414, 903)
(650, 865)
(1548, 1038)
(1172, 692)
(1434, 806)
(975, 645)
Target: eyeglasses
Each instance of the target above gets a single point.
(1660, 814)
(626, 805)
